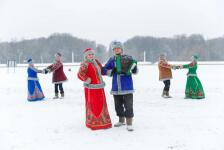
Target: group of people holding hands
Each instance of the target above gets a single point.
(120, 67)
(194, 88)
(35, 92)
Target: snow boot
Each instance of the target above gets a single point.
(120, 122)
(56, 96)
(62, 95)
(129, 124)
(163, 94)
(168, 94)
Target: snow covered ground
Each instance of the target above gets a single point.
(160, 124)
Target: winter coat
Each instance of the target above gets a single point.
(90, 73)
(121, 83)
(58, 72)
(165, 72)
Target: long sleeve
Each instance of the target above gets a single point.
(36, 70)
(54, 66)
(82, 73)
(108, 67)
(191, 65)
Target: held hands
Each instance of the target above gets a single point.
(180, 67)
(174, 67)
(45, 71)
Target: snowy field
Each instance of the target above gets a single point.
(160, 124)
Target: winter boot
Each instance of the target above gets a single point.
(163, 94)
(56, 96)
(168, 95)
(62, 95)
(120, 122)
(129, 124)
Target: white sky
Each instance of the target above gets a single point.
(107, 20)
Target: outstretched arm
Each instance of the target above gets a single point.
(54, 66)
(36, 70)
(191, 65)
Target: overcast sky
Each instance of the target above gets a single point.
(106, 20)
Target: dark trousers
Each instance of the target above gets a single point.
(124, 105)
(167, 85)
(56, 86)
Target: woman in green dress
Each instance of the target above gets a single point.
(194, 88)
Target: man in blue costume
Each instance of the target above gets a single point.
(121, 67)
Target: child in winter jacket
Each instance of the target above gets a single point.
(165, 74)
(58, 75)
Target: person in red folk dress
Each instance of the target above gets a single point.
(97, 115)
(59, 76)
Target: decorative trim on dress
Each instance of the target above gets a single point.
(33, 78)
(192, 75)
(59, 82)
(94, 86)
(122, 92)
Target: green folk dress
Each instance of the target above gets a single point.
(194, 89)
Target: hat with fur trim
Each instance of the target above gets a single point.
(88, 51)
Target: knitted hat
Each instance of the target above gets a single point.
(116, 44)
(88, 51)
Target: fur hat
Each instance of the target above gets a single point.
(116, 44)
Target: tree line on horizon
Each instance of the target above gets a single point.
(177, 48)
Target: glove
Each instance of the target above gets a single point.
(45, 71)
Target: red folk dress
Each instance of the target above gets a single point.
(58, 72)
(97, 115)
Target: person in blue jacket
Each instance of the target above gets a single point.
(121, 67)
(35, 92)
